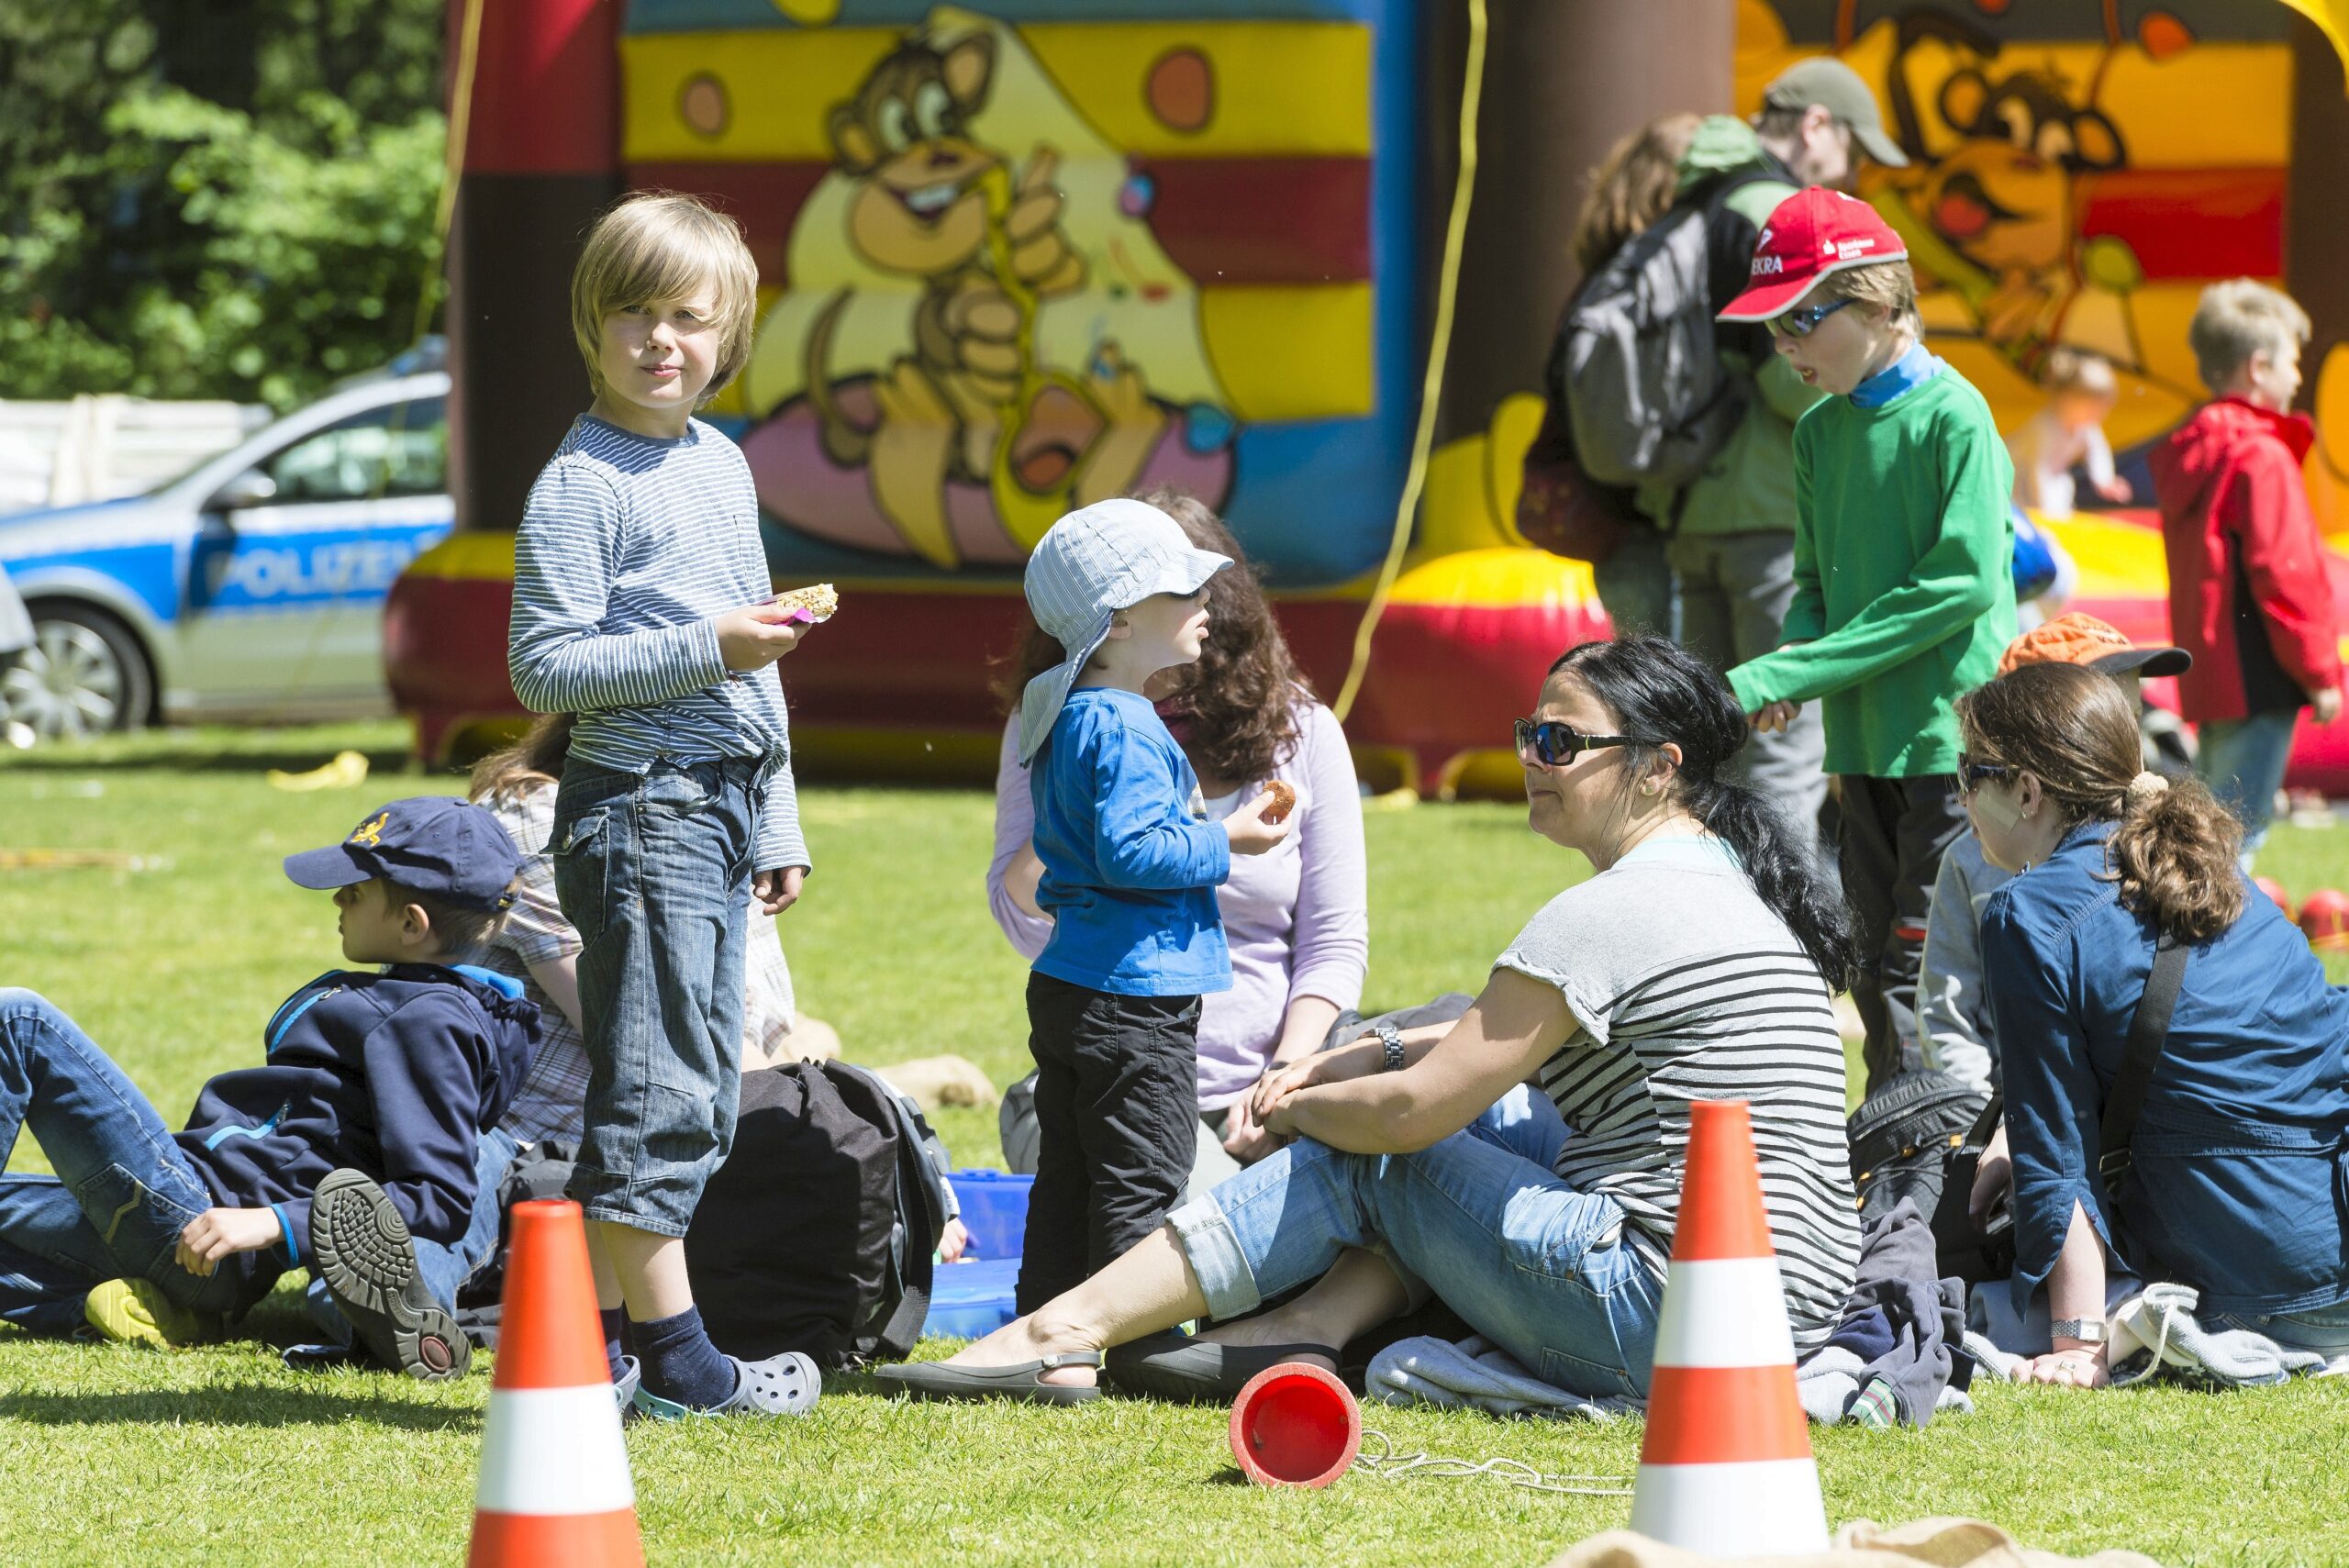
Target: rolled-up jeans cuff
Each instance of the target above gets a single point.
(1213, 1247)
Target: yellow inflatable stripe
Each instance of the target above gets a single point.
(1292, 352)
(2215, 106)
(2116, 561)
(1279, 87)
(1497, 579)
(486, 556)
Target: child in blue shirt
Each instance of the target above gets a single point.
(1130, 873)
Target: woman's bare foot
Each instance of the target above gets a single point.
(1032, 1338)
(1282, 1326)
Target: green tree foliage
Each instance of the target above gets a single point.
(215, 198)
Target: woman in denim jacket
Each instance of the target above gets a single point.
(2238, 1183)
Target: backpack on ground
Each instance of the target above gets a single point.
(816, 1235)
(1647, 397)
(1904, 1135)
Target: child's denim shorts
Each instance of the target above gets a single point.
(653, 869)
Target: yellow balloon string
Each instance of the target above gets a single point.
(1439, 349)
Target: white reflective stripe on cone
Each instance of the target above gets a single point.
(553, 1451)
(1724, 1312)
(1759, 1508)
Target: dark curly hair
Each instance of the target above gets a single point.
(1234, 710)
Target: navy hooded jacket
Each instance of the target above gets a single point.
(395, 1073)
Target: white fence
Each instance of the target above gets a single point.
(93, 449)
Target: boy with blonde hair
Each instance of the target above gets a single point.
(1904, 594)
(2248, 592)
(641, 603)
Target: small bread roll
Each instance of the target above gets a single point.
(819, 600)
(1283, 802)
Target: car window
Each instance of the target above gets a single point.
(401, 449)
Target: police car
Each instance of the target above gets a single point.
(250, 588)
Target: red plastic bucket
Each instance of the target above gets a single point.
(1295, 1424)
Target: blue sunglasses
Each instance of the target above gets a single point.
(1804, 322)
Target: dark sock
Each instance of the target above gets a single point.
(612, 1340)
(681, 1365)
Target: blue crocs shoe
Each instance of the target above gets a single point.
(631, 1378)
(786, 1384)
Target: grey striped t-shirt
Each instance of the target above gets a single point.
(628, 546)
(1684, 986)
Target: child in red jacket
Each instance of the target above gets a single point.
(2249, 597)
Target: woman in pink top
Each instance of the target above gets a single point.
(1298, 921)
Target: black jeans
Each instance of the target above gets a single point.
(1116, 1111)
(1890, 841)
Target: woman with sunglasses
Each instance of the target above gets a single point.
(2236, 1173)
(1296, 921)
(1698, 964)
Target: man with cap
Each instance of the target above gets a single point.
(1732, 529)
(1952, 1003)
(351, 1149)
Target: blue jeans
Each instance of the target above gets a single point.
(2324, 1329)
(123, 1191)
(443, 1268)
(654, 869)
(2242, 760)
(1541, 1270)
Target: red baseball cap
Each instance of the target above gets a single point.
(1810, 235)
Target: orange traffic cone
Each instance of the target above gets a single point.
(1726, 1466)
(554, 1485)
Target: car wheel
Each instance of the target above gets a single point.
(84, 676)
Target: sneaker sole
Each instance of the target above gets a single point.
(363, 1252)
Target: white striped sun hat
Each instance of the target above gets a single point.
(1095, 561)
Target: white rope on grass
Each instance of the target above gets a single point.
(1388, 1465)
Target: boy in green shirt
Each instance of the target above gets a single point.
(1904, 592)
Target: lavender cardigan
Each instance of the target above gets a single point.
(1298, 921)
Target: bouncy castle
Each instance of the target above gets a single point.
(1023, 254)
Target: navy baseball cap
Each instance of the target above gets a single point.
(433, 844)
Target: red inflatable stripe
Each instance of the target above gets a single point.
(1723, 1415)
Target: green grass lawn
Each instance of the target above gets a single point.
(117, 1456)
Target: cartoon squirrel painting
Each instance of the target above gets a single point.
(970, 401)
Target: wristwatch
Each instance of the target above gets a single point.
(2086, 1330)
(1392, 1038)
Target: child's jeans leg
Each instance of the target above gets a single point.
(117, 1170)
(443, 1267)
(2242, 760)
(654, 871)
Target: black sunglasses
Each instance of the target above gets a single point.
(1972, 776)
(1555, 742)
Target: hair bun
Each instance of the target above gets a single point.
(2145, 786)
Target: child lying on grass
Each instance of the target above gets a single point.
(351, 1150)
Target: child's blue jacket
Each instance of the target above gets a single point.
(1130, 873)
(395, 1073)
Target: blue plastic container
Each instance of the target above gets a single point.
(968, 1300)
(994, 1211)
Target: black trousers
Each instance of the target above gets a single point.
(1889, 844)
(1117, 1115)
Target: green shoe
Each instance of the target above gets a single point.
(137, 1312)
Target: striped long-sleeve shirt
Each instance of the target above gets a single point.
(1684, 986)
(629, 545)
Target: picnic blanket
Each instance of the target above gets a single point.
(1944, 1542)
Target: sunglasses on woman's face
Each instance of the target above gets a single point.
(1972, 776)
(1555, 743)
(1804, 322)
